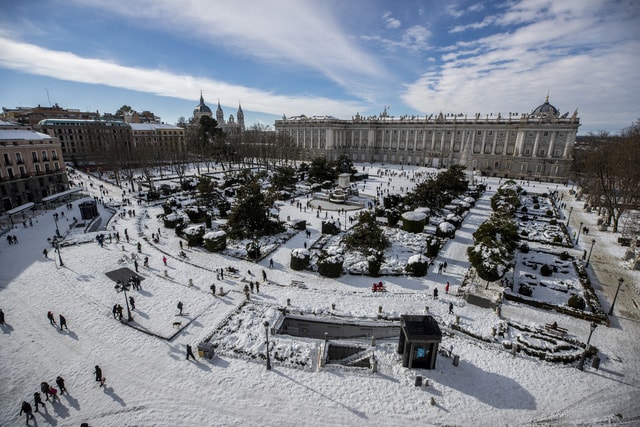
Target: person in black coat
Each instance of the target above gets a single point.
(63, 323)
(37, 400)
(98, 373)
(26, 408)
(60, 382)
(190, 353)
(1, 317)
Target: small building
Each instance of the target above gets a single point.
(419, 339)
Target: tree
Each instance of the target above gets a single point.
(367, 234)
(284, 178)
(612, 176)
(249, 216)
(122, 110)
(495, 242)
(320, 171)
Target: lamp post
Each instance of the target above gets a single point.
(59, 256)
(593, 327)
(266, 333)
(124, 287)
(569, 217)
(55, 218)
(620, 282)
(579, 230)
(593, 242)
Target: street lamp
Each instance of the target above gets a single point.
(124, 287)
(266, 333)
(579, 230)
(620, 281)
(593, 327)
(59, 256)
(55, 218)
(593, 242)
(569, 217)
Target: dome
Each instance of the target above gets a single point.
(545, 109)
(202, 107)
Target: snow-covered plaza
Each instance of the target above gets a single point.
(149, 382)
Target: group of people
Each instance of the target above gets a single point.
(49, 392)
(52, 320)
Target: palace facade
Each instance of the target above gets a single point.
(535, 146)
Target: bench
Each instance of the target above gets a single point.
(555, 330)
(298, 284)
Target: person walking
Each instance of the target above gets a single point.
(450, 308)
(1, 317)
(246, 291)
(264, 276)
(251, 286)
(435, 293)
(37, 400)
(164, 260)
(44, 388)
(63, 323)
(51, 319)
(114, 310)
(54, 394)
(45, 252)
(213, 289)
(257, 287)
(180, 306)
(132, 303)
(271, 263)
(60, 383)
(446, 288)
(190, 353)
(135, 264)
(26, 408)
(99, 376)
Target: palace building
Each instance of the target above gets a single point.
(536, 146)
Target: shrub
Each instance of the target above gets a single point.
(525, 290)
(524, 248)
(375, 260)
(418, 269)
(557, 239)
(536, 206)
(549, 213)
(524, 209)
(524, 233)
(577, 302)
(564, 256)
(546, 270)
(299, 259)
(553, 222)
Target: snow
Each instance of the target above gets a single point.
(149, 382)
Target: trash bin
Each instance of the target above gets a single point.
(205, 350)
(456, 360)
(595, 364)
(418, 381)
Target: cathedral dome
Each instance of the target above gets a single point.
(545, 109)
(201, 108)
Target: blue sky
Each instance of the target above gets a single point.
(325, 57)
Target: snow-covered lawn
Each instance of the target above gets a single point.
(149, 382)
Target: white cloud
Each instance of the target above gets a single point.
(579, 54)
(32, 59)
(284, 32)
(390, 21)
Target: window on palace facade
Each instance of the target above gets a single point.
(44, 156)
(541, 152)
(479, 132)
(34, 156)
(10, 172)
(546, 133)
(527, 151)
(490, 132)
(37, 168)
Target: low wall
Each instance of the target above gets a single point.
(299, 326)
